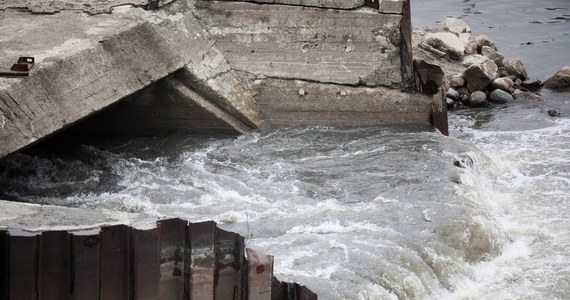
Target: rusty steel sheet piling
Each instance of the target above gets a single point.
(115, 263)
(173, 260)
(260, 270)
(146, 264)
(202, 247)
(3, 265)
(22, 267)
(54, 265)
(173, 257)
(229, 278)
(85, 258)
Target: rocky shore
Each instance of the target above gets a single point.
(476, 73)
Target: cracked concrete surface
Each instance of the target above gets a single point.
(50, 6)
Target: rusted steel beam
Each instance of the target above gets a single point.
(3, 265)
(431, 83)
(54, 270)
(116, 263)
(260, 275)
(21, 68)
(202, 260)
(86, 250)
(146, 264)
(406, 47)
(173, 258)
(230, 259)
(23, 267)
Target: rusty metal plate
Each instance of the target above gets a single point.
(439, 111)
(85, 259)
(146, 264)
(23, 251)
(230, 259)
(21, 68)
(54, 269)
(259, 275)
(115, 263)
(202, 260)
(173, 258)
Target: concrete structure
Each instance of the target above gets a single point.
(49, 252)
(205, 66)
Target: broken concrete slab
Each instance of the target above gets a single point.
(291, 42)
(91, 62)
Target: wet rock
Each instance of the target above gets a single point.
(500, 96)
(502, 83)
(493, 55)
(453, 94)
(483, 40)
(456, 80)
(456, 26)
(560, 79)
(534, 85)
(465, 100)
(446, 42)
(525, 96)
(478, 76)
(516, 67)
(553, 113)
(478, 99)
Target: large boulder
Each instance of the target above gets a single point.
(503, 83)
(478, 75)
(456, 26)
(446, 42)
(469, 43)
(475, 59)
(493, 55)
(516, 67)
(560, 79)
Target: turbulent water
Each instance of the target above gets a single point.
(364, 213)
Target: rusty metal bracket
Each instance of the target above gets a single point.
(20, 68)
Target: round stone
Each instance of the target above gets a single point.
(500, 83)
(500, 96)
(453, 94)
(478, 99)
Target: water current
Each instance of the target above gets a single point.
(364, 213)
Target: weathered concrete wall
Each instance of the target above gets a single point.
(293, 102)
(356, 47)
(232, 66)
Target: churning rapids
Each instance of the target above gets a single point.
(364, 213)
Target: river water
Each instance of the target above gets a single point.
(364, 213)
